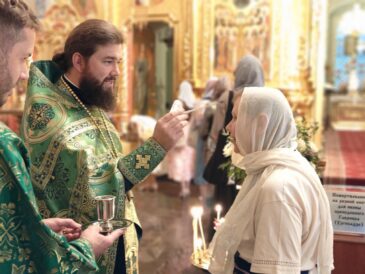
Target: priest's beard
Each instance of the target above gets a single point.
(92, 92)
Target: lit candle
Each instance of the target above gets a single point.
(195, 213)
(194, 236)
(200, 213)
(199, 243)
(199, 252)
(218, 208)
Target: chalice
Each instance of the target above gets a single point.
(105, 208)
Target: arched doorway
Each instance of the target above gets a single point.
(152, 68)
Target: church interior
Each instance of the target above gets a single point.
(311, 50)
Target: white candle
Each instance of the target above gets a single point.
(200, 213)
(195, 212)
(218, 208)
(199, 248)
(194, 234)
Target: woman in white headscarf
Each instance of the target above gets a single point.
(280, 220)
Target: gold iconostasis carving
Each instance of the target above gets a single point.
(239, 32)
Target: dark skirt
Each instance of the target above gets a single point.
(241, 266)
(224, 194)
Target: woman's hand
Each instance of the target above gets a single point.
(217, 223)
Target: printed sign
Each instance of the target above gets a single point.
(347, 208)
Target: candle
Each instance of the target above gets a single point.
(218, 208)
(195, 212)
(194, 234)
(199, 243)
(199, 252)
(200, 213)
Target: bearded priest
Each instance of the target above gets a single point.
(75, 150)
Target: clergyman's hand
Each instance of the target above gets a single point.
(169, 129)
(100, 243)
(67, 227)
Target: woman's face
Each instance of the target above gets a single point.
(231, 127)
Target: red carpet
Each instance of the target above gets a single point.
(353, 151)
(345, 157)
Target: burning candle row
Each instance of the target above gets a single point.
(198, 233)
(199, 244)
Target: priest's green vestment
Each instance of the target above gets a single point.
(72, 162)
(27, 245)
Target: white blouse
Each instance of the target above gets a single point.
(286, 226)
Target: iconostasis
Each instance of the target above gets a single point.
(194, 40)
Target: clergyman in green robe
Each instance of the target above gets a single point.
(75, 150)
(29, 244)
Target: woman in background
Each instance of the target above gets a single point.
(180, 159)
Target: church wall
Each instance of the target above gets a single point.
(241, 30)
(210, 37)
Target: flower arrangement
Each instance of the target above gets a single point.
(305, 134)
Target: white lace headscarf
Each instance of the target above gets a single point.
(265, 134)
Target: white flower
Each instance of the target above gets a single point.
(313, 147)
(301, 145)
(231, 180)
(227, 150)
(298, 120)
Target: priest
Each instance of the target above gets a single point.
(75, 150)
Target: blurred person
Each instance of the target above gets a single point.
(28, 243)
(212, 116)
(206, 190)
(280, 221)
(180, 159)
(200, 127)
(75, 150)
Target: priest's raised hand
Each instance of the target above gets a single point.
(169, 129)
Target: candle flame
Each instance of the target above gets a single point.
(196, 211)
(218, 207)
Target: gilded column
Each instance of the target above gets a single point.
(187, 60)
(275, 44)
(317, 61)
(207, 41)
